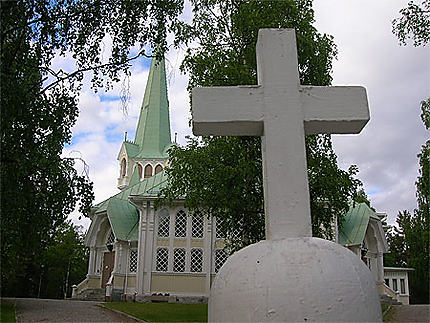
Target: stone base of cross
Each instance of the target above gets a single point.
(291, 276)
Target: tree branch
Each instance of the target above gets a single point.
(86, 69)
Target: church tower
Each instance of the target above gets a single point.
(147, 154)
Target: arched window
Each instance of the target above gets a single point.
(158, 169)
(196, 265)
(140, 169)
(197, 225)
(181, 224)
(148, 171)
(221, 256)
(123, 167)
(164, 224)
(179, 259)
(162, 261)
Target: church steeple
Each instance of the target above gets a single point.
(153, 128)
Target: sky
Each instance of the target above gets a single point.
(396, 78)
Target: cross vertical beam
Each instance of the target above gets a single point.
(281, 111)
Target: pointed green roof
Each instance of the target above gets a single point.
(353, 228)
(153, 128)
(123, 215)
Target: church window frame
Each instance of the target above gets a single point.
(221, 256)
(110, 240)
(218, 232)
(181, 224)
(162, 259)
(196, 261)
(110, 237)
(395, 286)
(123, 167)
(163, 229)
(179, 255)
(197, 225)
(402, 286)
(148, 171)
(133, 259)
(140, 170)
(158, 168)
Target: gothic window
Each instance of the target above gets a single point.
(162, 259)
(197, 225)
(220, 258)
(158, 169)
(148, 171)
(181, 224)
(236, 233)
(179, 259)
(395, 288)
(123, 167)
(133, 261)
(196, 260)
(218, 232)
(402, 286)
(163, 225)
(111, 238)
(140, 169)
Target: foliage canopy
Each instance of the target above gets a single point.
(39, 187)
(414, 23)
(223, 175)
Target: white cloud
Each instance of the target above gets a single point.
(396, 79)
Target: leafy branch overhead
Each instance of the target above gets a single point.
(39, 103)
(414, 23)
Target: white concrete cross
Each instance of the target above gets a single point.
(281, 111)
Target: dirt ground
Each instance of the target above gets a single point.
(50, 310)
(410, 313)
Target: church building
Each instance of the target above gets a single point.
(170, 254)
(135, 250)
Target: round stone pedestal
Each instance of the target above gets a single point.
(294, 280)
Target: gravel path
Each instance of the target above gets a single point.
(411, 313)
(49, 310)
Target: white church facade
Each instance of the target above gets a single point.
(141, 253)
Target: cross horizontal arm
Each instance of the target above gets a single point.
(228, 111)
(334, 109)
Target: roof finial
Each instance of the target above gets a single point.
(125, 136)
(176, 137)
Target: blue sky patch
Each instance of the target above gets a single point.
(374, 191)
(113, 136)
(108, 97)
(78, 138)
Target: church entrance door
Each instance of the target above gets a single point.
(108, 263)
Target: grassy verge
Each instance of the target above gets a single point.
(163, 312)
(7, 313)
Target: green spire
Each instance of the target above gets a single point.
(153, 128)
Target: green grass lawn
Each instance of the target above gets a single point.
(163, 312)
(7, 313)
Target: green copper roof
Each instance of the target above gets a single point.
(131, 148)
(124, 219)
(153, 128)
(135, 177)
(353, 229)
(122, 215)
